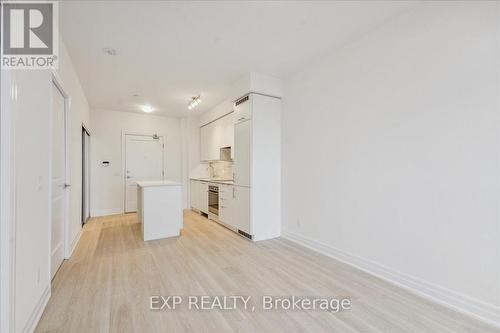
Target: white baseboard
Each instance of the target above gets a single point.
(459, 302)
(106, 212)
(73, 245)
(38, 311)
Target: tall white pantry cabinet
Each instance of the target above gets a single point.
(257, 166)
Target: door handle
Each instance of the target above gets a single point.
(128, 177)
(66, 185)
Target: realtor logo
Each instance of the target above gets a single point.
(29, 34)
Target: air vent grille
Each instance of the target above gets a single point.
(241, 232)
(243, 100)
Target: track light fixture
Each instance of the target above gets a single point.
(194, 102)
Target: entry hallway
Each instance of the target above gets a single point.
(107, 284)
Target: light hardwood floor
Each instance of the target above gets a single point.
(107, 284)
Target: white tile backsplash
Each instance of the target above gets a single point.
(221, 170)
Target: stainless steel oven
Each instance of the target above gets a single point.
(213, 199)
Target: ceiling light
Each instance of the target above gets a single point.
(194, 102)
(147, 108)
(109, 51)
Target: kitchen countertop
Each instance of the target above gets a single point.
(148, 183)
(211, 180)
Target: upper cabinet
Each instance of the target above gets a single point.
(242, 153)
(208, 149)
(227, 130)
(216, 135)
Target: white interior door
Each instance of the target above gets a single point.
(143, 161)
(58, 180)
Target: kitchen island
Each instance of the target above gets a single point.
(159, 208)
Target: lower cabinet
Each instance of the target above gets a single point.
(234, 204)
(241, 206)
(203, 197)
(226, 205)
(194, 194)
(234, 207)
(199, 195)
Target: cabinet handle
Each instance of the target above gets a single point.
(241, 118)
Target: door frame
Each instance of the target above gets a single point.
(7, 202)
(56, 81)
(124, 160)
(89, 171)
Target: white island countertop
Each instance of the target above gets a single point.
(148, 183)
(159, 208)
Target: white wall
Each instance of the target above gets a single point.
(391, 153)
(107, 190)
(31, 114)
(6, 197)
(191, 166)
(32, 196)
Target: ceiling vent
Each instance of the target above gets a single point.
(243, 100)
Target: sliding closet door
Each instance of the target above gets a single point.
(85, 175)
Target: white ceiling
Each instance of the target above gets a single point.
(169, 51)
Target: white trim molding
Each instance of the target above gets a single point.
(74, 243)
(7, 201)
(106, 212)
(472, 307)
(56, 81)
(38, 311)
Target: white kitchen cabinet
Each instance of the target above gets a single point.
(257, 166)
(209, 149)
(194, 194)
(199, 195)
(214, 136)
(241, 211)
(242, 153)
(203, 197)
(227, 129)
(226, 205)
(242, 110)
